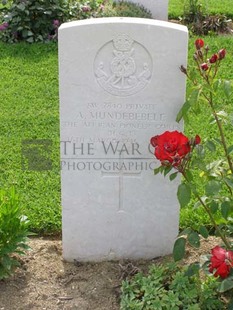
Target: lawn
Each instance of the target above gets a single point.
(176, 7)
(29, 109)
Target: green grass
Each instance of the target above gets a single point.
(176, 7)
(29, 109)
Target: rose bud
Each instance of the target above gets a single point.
(195, 56)
(213, 58)
(183, 69)
(199, 43)
(204, 66)
(222, 54)
(207, 48)
(200, 54)
(197, 140)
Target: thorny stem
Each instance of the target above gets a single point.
(216, 69)
(210, 101)
(220, 233)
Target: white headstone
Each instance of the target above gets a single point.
(158, 8)
(120, 84)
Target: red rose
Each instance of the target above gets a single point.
(199, 43)
(204, 66)
(222, 54)
(221, 262)
(213, 58)
(171, 147)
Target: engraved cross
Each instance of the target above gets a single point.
(120, 175)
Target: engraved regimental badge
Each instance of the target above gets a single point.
(123, 66)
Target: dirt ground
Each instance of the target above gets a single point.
(46, 282)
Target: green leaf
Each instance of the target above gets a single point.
(193, 98)
(167, 170)
(186, 231)
(225, 285)
(216, 84)
(48, 12)
(230, 149)
(200, 150)
(191, 101)
(222, 114)
(183, 111)
(227, 88)
(184, 194)
(214, 207)
(197, 205)
(179, 249)
(210, 145)
(225, 209)
(189, 175)
(212, 188)
(25, 33)
(194, 239)
(21, 6)
(229, 182)
(230, 305)
(192, 269)
(204, 232)
(173, 176)
(157, 170)
(30, 40)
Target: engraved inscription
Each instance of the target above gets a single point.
(120, 120)
(123, 67)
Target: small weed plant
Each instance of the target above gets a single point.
(170, 286)
(193, 12)
(215, 24)
(13, 232)
(201, 23)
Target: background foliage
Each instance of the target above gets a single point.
(212, 7)
(13, 232)
(38, 20)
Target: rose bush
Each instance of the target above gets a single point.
(190, 157)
